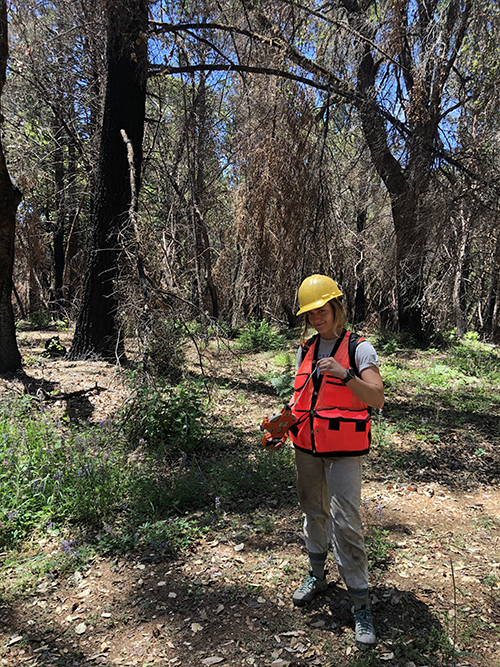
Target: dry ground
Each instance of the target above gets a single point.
(227, 600)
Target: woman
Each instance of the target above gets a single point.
(337, 380)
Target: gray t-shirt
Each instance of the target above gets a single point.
(365, 353)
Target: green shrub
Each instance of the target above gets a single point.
(390, 342)
(260, 336)
(61, 325)
(166, 417)
(286, 361)
(475, 359)
(39, 319)
(378, 548)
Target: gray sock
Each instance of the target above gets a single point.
(317, 564)
(360, 598)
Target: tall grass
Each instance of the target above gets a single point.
(50, 473)
(146, 475)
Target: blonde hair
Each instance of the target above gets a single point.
(339, 318)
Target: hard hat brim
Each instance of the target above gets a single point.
(315, 291)
(317, 304)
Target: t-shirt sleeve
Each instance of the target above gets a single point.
(299, 358)
(366, 356)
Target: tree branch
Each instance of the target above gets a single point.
(158, 70)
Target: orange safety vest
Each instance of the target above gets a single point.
(331, 420)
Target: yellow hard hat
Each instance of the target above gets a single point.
(315, 291)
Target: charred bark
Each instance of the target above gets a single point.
(405, 187)
(97, 330)
(359, 292)
(59, 222)
(10, 197)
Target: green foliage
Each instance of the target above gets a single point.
(215, 329)
(165, 417)
(440, 421)
(381, 432)
(475, 359)
(260, 336)
(61, 325)
(285, 360)
(283, 384)
(48, 476)
(155, 539)
(165, 355)
(54, 348)
(390, 342)
(235, 480)
(38, 319)
(281, 381)
(169, 536)
(378, 548)
(53, 476)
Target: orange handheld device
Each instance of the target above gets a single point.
(277, 428)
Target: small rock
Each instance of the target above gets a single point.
(80, 628)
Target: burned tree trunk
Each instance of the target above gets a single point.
(10, 197)
(97, 330)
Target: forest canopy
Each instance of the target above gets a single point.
(199, 160)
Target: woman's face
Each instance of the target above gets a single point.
(322, 319)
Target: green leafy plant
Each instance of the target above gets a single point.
(54, 348)
(39, 319)
(285, 360)
(283, 384)
(47, 476)
(260, 336)
(162, 416)
(474, 359)
(168, 536)
(61, 325)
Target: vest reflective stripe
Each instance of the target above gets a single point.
(332, 421)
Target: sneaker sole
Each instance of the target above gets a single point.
(301, 603)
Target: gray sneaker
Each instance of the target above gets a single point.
(308, 590)
(365, 632)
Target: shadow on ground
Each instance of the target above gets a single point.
(187, 618)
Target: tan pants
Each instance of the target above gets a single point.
(329, 492)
